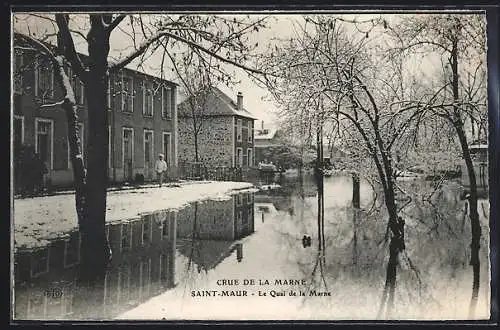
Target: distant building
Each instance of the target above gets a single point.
(142, 117)
(265, 139)
(226, 135)
(479, 153)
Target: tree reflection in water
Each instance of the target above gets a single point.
(350, 254)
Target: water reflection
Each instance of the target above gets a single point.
(143, 265)
(165, 263)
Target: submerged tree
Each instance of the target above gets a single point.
(459, 41)
(376, 107)
(220, 37)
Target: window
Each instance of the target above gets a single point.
(44, 141)
(126, 239)
(18, 131)
(82, 144)
(239, 130)
(250, 131)
(147, 99)
(249, 158)
(166, 102)
(167, 147)
(145, 278)
(128, 151)
(239, 157)
(127, 93)
(148, 147)
(124, 276)
(40, 262)
(18, 71)
(239, 200)
(44, 78)
(164, 268)
(146, 230)
(37, 306)
(164, 228)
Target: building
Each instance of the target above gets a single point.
(142, 117)
(479, 154)
(266, 138)
(225, 130)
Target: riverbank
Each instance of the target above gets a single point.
(40, 219)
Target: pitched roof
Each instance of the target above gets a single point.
(217, 104)
(265, 134)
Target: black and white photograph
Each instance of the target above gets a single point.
(260, 165)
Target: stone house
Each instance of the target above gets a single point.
(226, 130)
(142, 117)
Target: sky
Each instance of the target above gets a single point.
(255, 99)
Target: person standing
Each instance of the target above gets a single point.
(160, 167)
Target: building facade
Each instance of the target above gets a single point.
(142, 117)
(225, 131)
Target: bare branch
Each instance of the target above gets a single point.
(192, 44)
(68, 45)
(115, 22)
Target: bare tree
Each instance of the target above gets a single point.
(197, 83)
(460, 41)
(223, 38)
(365, 95)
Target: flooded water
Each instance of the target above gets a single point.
(266, 256)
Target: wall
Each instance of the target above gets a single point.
(27, 107)
(214, 141)
(244, 143)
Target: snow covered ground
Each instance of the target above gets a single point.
(40, 219)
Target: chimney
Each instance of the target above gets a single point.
(240, 101)
(262, 125)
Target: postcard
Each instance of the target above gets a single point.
(240, 165)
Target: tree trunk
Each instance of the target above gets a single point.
(71, 109)
(355, 205)
(196, 156)
(474, 218)
(355, 191)
(95, 251)
(396, 245)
